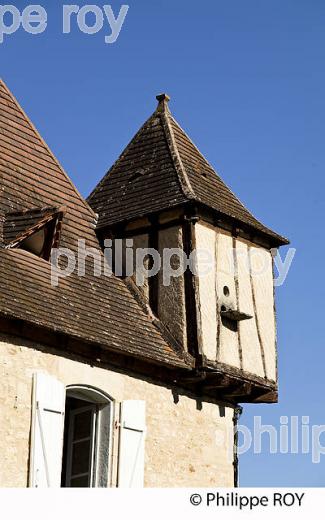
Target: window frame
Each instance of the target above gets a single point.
(104, 407)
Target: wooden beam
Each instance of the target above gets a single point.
(194, 335)
(153, 281)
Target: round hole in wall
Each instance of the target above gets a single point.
(226, 291)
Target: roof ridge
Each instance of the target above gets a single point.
(182, 176)
(220, 179)
(33, 127)
(206, 160)
(164, 111)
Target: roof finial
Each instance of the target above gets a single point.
(162, 102)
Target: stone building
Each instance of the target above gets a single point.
(106, 381)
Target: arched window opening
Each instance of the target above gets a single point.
(87, 434)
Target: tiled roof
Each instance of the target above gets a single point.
(96, 310)
(160, 169)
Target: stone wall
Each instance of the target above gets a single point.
(188, 443)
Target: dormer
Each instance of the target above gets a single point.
(36, 230)
(162, 193)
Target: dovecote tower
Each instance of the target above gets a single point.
(162, 193)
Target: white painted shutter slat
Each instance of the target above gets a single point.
(47, 431)
(132, 441)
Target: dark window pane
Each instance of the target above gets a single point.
(80, 481)
(82, 425)
(80, 458)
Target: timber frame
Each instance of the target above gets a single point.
(207, 378)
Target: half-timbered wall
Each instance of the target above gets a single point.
(171, 295)
(240, 278)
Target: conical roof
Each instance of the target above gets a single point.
(162, 168)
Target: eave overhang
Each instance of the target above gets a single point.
(218, 381)
(232, 385)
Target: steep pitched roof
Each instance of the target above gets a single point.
(95, 310)
(160, 169)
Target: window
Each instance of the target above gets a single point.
(71, 437)
(86, 438)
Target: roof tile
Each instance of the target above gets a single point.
(96, 310)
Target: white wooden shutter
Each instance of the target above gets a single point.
(131, 450)
(47, 431)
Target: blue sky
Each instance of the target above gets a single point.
(247, 81)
